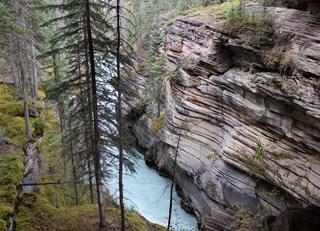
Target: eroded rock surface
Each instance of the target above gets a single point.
(250, 133)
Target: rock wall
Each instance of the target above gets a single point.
(249, 133)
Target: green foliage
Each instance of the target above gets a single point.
(159, 123)
(238, 12)
(251, 23)
(7, 21)
(244, 221)
(151, 11)
(213, 12)
(39, 127)
(257, 162)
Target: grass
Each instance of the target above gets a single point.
(212, 12)
(251, 23)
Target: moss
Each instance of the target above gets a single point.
(15, 130)
(143, 102)
(42, 94)
(3, 225)
(36, 213)
(10, 104)
(5, 213)
(159, 123)
(11, 173)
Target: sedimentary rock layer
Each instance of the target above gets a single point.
(250, 130)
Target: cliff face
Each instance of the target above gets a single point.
(249, 132)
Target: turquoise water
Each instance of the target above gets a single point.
(149, 193)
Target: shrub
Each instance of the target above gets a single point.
(282, 58)
(244, 221)
(39, 127)
(159, 123)
(252, 22)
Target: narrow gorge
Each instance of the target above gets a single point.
(246, 105)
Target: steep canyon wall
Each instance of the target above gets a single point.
(250, 129)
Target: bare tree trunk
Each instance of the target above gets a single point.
(90, 180)
(61, 111)
(12, 63)
(121, 137)
(35, 71)
(74, 171)
(24, 93)
(87, 118)
(96, 151)
(29, 59)
(1, 136)
(173, 179)
(159, 98)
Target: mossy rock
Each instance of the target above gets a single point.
(5, 213)
(11, 173)
(3, 225)
(10, 103)
(35, 213)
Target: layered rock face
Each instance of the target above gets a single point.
(249, 132)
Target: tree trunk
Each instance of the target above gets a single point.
(87, 118)
(35, 71)
(96, 151)
(31, 77)
(121, 137)
(1, 136)
(159, 98)
(74, 171)
(24, 92)
(173, 178)
(12, 63)
(61, 111)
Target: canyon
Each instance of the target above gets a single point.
(249, 123)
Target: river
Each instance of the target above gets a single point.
(149, 193)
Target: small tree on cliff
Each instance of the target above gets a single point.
(157, 68)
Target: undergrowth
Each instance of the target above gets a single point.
(36, 213)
